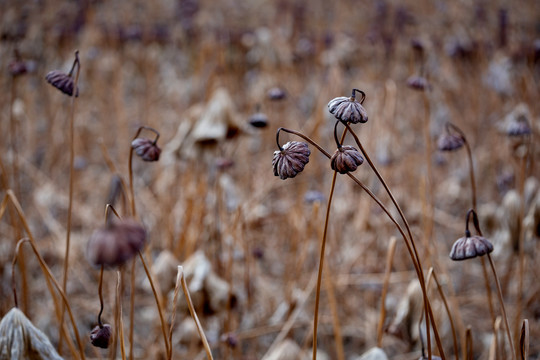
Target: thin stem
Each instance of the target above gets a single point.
(361, 92)
(420, 273)
(194, 314)
(132, 308)
(431, 273)
(524, 340)
(158, 304)
(503, 310)
(175, 301)
(386, 281)
(121, 322)
(488, 293)
(71, 175)
(338, 143)
(100, 292)
(449, 127)
(469, 343)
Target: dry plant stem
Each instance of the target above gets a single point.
(121, 322)
(131, 307)
(488, 292)
(329, 287)
(470, 159)
(469, 344)
(505, 318)
(48, 274)
(524, 340)
(427, 217)
(70, 202)
(432, 274)
(427, 306)
(386, 281)
(194, 314)
(175, 302)
(158, 304)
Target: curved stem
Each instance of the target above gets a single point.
(71, 175)
(449, 127)
(338, 143)
(361, 92)
(420, 273)
(503, 310)
(100, 292)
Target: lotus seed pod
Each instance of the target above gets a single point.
(290, 161)
(346, 159)
(450, 142)
(258, 120)
(417, 83)
(276, 94)
(519, 126)
(146, 149)
(62, 82)
(100, 336)
(469, 247)
(17, 67)
(115, 243)
(348, 110)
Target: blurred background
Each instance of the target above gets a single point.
(217, 79)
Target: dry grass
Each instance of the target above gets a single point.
(174, 65)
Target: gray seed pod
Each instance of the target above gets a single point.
(147, 149)
(100, 336)
(450, 142)
(519, 126)
(469, 247)
(346, 159)
(62, 82)
(290, 161)
(348, 110)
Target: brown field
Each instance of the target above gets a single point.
(197, 72)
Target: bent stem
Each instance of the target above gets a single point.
(194, 314)
(414, 254)
(77, 64)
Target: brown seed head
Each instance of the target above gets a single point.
(348, 109)
(450, 142)
(115, 243)
(62, 82)
(290, 161)
(346, 159)
(469, 247)
(100, 336)
(147, 149)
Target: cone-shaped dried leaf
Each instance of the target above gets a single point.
(290, 161)
(348, 110)
(62, 82)
(21, 340)
(450, 142)
(147, 149)
(115, 243)
(470, 247)
(346, 159)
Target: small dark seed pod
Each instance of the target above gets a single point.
(417, 83)
(469, 247)
(62, 82)
(348, 110)
(346, 159)
(100, 336)
(258, 120)
(276, 94)
(17, 67)
(519, 127)
(450, 142)
(115, 243)
(290, 161)
(147, 149)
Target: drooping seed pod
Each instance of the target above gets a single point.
(62, 81)
(346, 159)
(347, 109)
(450, 142)
(469, 247)
(115, 243)
(146, 149)
(276, 94)
(17, 67)
(100, 336)
(416, 82)
(258, 120)
(519, 126)
(291, 159)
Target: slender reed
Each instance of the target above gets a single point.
(524, 340)
(469, 344)
(387, 272)
(194, 314)
(76, 63)
(120, 320)
(174, 306)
